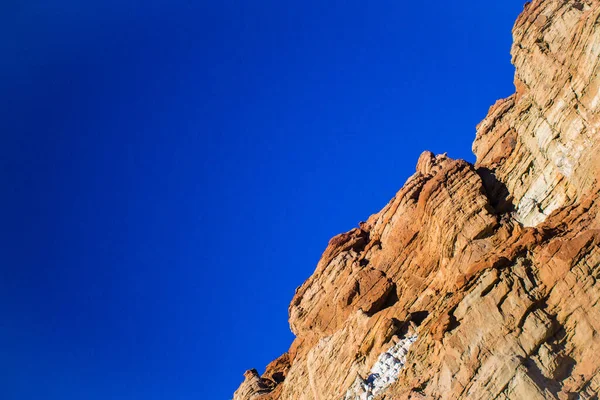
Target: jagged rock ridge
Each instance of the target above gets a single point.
(493, 268)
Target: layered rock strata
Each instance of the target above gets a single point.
(491, 270)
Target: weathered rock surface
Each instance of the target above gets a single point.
(491, 269)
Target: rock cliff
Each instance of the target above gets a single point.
(475, 281)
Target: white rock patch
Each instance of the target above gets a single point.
(540, 199)
(384, 372)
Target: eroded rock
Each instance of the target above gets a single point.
(491, 269)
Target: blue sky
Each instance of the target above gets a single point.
(172, 171)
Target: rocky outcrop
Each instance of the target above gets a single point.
(541, 142)
(475, 281)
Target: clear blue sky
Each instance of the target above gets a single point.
(172, 170)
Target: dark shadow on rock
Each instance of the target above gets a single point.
(391, 299)
(566, 364)
(496, 191)
(278, 377)
(536, 375)
(418, 317)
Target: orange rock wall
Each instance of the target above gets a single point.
(494, 266)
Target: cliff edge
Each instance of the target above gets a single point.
(475, 281)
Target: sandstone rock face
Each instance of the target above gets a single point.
(541, 142)
(486, 276)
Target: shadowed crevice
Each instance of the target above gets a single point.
(496, 191)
